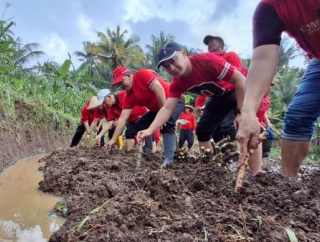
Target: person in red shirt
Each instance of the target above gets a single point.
(87, 117)
(146, 88)
(206, 74)
(226, 127)
(188, 129)
(101, 114)
(114, 102)
(300, 20)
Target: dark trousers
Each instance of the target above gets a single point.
(145, 121)
(79, 133)
(225, 128)
(215, 111)
(186, 135)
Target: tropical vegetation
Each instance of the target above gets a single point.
(65, 89)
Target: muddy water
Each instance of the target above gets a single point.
(24, 211)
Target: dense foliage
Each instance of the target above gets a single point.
(64, 88)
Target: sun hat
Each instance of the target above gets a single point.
(167, 52)
(118, 73)
(93, 102)
(210, 37)
(188, 106)
(101, 94)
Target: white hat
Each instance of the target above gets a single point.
(101, 94)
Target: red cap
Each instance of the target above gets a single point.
(118, 73)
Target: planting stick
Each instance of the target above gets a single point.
(242, 173)
(242, 169)
(139, 155)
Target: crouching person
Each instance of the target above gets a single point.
(114, 102)
(146, 88)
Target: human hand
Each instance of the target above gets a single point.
(98, 140)
(88, 137)
(247, 134)
(143, 135)
(109, 145)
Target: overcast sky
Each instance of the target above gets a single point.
(60, 26)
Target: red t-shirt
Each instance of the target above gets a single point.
(100, 114)
(301, 21)
(191, 118)
(157, 136)
(114, 111)
(263, 108)
(86, 115)
(232, 58)
(141, 94)
(209, 76)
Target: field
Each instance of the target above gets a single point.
(109, 198)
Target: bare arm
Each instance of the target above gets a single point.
(86, 126)
(93, 125)
(159, 93)
(105, 129)
(261, 72)
(162, 117)
(262, 69)
(238, 80)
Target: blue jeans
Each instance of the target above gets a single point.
(304, 109)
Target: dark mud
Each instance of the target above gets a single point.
(189, 201)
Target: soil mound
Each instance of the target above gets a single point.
(109, 198)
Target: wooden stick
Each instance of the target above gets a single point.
(242, 170)
(139, 155)
(242, 173)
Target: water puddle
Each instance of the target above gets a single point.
(24, 210)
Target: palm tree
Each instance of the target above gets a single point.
(154, 48)
(288, 51)
(115, 50)
(90, 60)
(26, 53)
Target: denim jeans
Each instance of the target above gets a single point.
(304, 109)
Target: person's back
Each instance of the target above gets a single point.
(301, 20)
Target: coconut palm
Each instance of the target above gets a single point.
(89, 60)
(26, 53)
(154, 48)
(288, 51)
(115, 50)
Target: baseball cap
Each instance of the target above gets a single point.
(209, 37)
(101, 94)
(167, 52)
(118, 73)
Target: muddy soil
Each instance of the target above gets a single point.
(189, 201)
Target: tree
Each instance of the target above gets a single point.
(288, 51)
(115, 50)
(26, 53)
(90, 60)
(154, 48)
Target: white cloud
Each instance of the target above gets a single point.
(55, 47)
(85, 26)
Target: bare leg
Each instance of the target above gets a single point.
(293, 152)
(255, 161)
(129, 144)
